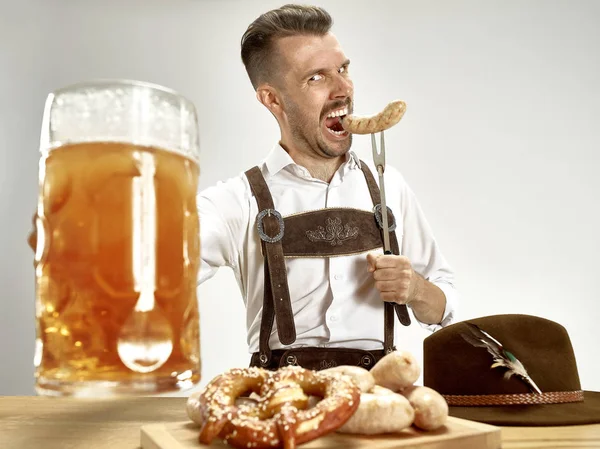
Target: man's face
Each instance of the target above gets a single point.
(315, 91)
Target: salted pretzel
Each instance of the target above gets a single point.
(280, 416)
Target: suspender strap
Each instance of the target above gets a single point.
(401, 309)
(276, 293)
(276, 299)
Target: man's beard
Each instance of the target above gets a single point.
(300, 127)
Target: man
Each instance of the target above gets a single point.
(299, 230)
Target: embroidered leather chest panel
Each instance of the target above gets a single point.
(330, 232)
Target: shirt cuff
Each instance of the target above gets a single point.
(450, 312)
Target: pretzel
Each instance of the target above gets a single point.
(279, 417)
(387, 118)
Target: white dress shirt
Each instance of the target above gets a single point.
(334, 300)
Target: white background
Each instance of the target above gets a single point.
(500, 140)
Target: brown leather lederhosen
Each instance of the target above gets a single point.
(323, 233)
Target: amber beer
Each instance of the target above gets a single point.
(117, 254)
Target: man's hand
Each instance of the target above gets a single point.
(394, 277)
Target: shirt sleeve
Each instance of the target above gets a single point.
(421, 248)
(223, 212)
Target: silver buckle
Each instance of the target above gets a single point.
(379, 218)
(261, 232)
(263, 359)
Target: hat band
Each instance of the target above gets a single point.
(553, 397)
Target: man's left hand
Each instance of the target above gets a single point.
(394, 277)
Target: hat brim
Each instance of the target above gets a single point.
(572, 413)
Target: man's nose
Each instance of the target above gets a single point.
(342, 87)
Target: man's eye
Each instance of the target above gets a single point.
(316, 77)
(343, 69)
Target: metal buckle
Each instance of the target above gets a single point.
(263, 359)
(379, 218)
(291, 360)
(261, 232)
(366, 360)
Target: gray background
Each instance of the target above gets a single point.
(500, 140)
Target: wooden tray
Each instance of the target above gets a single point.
(456, 434)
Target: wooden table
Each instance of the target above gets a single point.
(48, 423)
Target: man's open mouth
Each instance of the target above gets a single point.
(333, 121)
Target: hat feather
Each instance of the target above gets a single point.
(502, 358)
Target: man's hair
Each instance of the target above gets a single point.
(289, 20)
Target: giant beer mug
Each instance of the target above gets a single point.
(117, 242)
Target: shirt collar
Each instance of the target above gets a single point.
(353, 159)
(278, 159)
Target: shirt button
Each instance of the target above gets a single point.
(338, 277)
(333, 318)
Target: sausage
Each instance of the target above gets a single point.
(363, 379)
(377, 389)
(387, 118)
(192, 407)
(431, 409)
(380, 413)
(313, 401)
(396, 370)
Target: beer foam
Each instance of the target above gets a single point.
(121, 111)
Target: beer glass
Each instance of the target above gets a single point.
(117, 242)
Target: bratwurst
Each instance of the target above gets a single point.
(431, 409)
(396, 370)
(381, 411)
(387, 118)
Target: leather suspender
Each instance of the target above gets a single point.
(276, 298)
(401, 309)
(276, 294)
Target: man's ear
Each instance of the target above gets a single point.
(269, 97)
